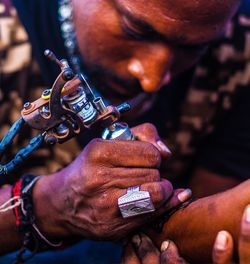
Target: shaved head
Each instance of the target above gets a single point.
(212, 10)
(194, 14)
(186, 8)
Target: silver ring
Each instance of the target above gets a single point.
(135, 202)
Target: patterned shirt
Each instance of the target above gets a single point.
(203, 117)
(20, 81)
(208, 128)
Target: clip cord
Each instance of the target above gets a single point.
(8, 138)
(22, 154)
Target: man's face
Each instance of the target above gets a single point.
(130, 46)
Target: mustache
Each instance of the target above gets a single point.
(98, 74)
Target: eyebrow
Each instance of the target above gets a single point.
(142, 24)
(151, 31)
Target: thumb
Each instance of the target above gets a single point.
(170, 254)
(145, 249)
(223, 248)
(147, 132)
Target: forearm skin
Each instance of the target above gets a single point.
(195, 227)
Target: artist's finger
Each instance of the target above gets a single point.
(147, 132)
(223, 248)
(160, 192)
(244, 240)
(170, 254)
(138, 221)
(129, 256)
(179, 196)
(145, 249)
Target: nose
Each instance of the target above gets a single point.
(151, 66)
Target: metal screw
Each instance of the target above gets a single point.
(46, 92)
(62, 130)
(51, 140)
(68, 75)
(75, 126)
(27, 105)
(45, 110)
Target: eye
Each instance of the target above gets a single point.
(133, 31)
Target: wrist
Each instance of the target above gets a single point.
(48, 206)
(10, 238)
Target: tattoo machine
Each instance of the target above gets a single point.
(63, 112)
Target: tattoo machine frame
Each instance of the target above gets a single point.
(63, 112)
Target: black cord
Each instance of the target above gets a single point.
(8, 138)
(22, 154)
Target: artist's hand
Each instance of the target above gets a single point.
(86, 192)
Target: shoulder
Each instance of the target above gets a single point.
(14, 47)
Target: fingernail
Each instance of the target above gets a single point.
(164, 245)
(163, 147)
(184, 195)
(247, 214)
(136, 240)
(221, 241)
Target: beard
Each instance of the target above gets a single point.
(110, 85)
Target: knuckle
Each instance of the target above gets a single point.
(153, 155)
(95, 149)
(149, 127)
(153, 175)
(111, 150)
(95, 142)
(103, 151)
(146, 130)
(156, 192)
(100, 175)
(96, 180)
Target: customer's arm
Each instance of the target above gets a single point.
(194, 228)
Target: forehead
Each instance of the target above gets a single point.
(195, 20)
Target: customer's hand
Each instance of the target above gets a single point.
(223, 247)
(141, 250)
